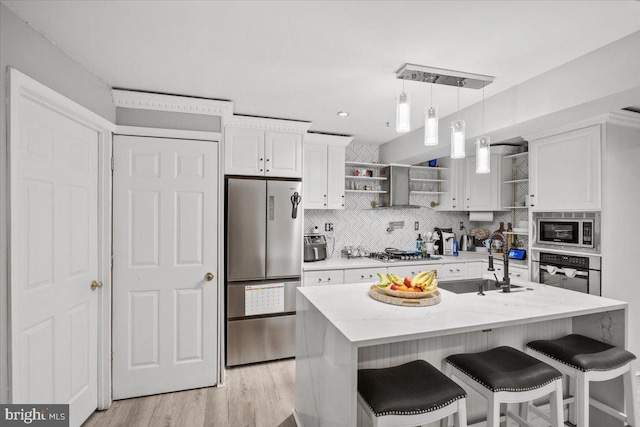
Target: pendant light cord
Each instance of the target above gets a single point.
(431, 89)
(483, 110)
(458, 112)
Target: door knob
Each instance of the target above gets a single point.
(208, 277)
(96, 285)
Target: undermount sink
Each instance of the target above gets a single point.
(470, 285)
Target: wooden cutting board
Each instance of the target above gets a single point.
(378, 294)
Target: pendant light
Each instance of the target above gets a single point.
(403, 112)
(431, 122)
(457, 134)
(483, 148)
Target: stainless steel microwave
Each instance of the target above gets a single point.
(566, 232)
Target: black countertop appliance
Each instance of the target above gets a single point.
(439, 243)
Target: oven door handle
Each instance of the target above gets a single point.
(560, 270)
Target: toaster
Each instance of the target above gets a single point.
(315, 247)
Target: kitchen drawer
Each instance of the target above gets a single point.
(413, 269)
(451, 271)
(363, 275)
(324, 277)
(518, 273)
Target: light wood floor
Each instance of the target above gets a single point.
(257, 395)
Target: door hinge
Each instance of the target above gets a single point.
(112, 164)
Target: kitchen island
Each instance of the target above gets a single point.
(341, 330)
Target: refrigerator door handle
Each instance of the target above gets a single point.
(271, 208)
(295, 201)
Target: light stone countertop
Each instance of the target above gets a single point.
(341, 263)
(365, 321)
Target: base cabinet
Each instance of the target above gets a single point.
(323, 277)
(474, 270)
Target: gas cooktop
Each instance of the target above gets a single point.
(396, 255)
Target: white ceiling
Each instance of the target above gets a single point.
(307, 60)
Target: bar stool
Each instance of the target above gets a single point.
(412, 394)
(584, 360)
(504, 375)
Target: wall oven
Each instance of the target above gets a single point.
(568, 271)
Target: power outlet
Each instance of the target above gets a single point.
(416, 225)
(328, 226)
(461, 225)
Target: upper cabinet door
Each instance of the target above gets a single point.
(565, 171)
(335, 176)
(314, 193)
(244, 152)
(283, 155)
(481, 190)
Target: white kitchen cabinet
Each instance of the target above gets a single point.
(482, 191)
(452, 271)
(323, 165)
(260, 153)
(474, 270)
(518, 273)
(413, 269)
(452, 185)
(363, 275)
(565, 171)
(323, 277)
(263, 147)
(315, 179)
(283, 154)
(244, 152)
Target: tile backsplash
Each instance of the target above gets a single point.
(359, 225)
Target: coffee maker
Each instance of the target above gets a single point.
(444, 241)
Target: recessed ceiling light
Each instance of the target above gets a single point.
(343, 114)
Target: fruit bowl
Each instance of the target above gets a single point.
(410, 295)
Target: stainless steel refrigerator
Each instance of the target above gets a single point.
(263, 267)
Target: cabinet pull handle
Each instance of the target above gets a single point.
(370, 276)
(261, 159)
(362, 276)
(260, 170)
(328, 279)
(319, 279)
(267, 170)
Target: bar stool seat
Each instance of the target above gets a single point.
(414, 393)
(584, 360)
(505, 375)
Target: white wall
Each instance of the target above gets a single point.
(620, 223)
(599, 82)
(25, 49)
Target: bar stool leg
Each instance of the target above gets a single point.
(555, 403)
(460, 417)
(631, 397)
(523, 410)
(572, 406)
(582, 400)
(493, 412)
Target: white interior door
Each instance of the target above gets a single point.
(164, 243)
(54, 258)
